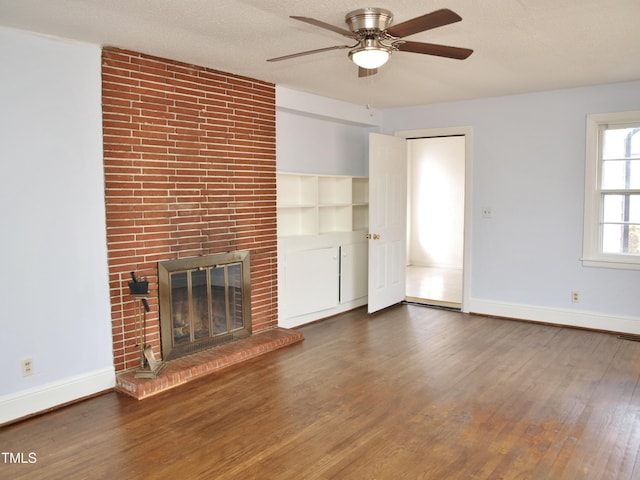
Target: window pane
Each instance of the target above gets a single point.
(634, 209)
(621, 239)
(614, 208)
(621, 174)
(611, 239)
(621, 143)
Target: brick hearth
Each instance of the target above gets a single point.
(191, 367)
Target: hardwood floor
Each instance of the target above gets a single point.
(408, 393)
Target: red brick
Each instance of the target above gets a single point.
(189, 170)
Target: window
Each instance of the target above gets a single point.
(612, 191)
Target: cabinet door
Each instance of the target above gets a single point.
(311, 278)
(353, 271)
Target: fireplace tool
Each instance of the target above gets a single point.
(149, 366)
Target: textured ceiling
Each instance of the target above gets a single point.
(520, 45)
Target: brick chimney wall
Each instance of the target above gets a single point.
(189, 159)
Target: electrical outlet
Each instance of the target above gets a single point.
(27, 367)
(575, 296)
(487, 212)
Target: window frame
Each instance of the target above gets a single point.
(592, 254)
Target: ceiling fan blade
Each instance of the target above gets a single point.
(308, 52)
(437, 50)
(318, 23)
(366, 72)
(431, 20)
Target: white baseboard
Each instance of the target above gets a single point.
(28, 402)
(572, 318)
(292, 322)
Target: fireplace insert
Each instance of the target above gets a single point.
(204, 301)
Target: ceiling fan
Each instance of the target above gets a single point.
(376, 38)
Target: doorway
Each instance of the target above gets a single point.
(435, 220)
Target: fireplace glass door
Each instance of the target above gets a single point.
(206, 305)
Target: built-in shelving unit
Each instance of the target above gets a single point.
(318, 204)
(322, 246)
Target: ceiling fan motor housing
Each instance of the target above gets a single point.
(369, 19)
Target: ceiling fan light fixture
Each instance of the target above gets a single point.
(370, 55)
(369, 58)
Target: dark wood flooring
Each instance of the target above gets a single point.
(409, 393)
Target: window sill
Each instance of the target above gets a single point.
(611, 263)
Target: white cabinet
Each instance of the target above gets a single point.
(354, 262)
(322, 249)
(312, 280)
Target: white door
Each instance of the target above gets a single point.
(387, 220)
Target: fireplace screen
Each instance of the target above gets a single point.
(203, 301)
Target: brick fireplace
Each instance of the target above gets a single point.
(189, 159)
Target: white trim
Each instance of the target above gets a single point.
(557, 316)
(467, 131)
(621, 265)
(292, 322)
(309, 104)
(39, 399)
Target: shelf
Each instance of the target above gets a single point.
(298, 190)
(296, 205)
(335, 190)
(297, 221)
(319, 204)
(360, 218)
(335, 219)
(360, 190)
